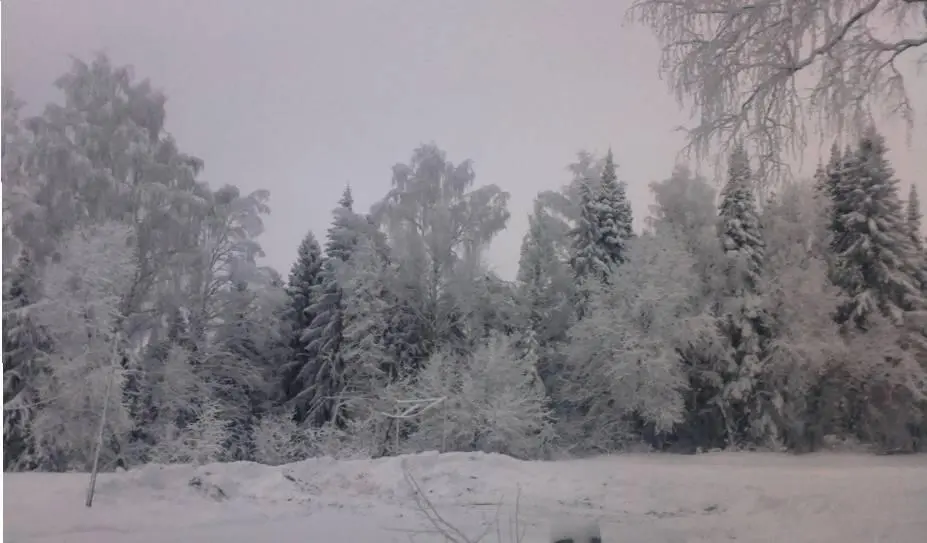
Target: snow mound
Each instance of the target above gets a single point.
(445, 476)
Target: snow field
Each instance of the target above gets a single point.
(715, 497)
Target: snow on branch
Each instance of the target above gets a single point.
(773, 71)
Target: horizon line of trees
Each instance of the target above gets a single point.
(724, 323)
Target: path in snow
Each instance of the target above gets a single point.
(653, 498)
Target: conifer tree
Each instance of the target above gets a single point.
(741, 320)
(876, 265)
(740, 231)
(589, 259)
(324, 335)
(604, 226)
(301, 290)
(613, 214)
(23, 343)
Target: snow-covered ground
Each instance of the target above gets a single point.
(647, 498)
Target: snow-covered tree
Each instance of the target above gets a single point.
(684, 207)
(201, 441)
(487, 305)
(545, 287)
(538, 268)
(102, 153)
(84, 289)
(24, 345)
(876, 266)
(324, 336)
(175, 392)
(623, 365)
(736, 63)
(613, 211)
(741, 236)
(800, 302)
(18, 188)
(436, 223)
(248, 349)
(589, 258)
(563, 206)
(225, 253)
(301, 290)
(741, 317)
(884, 388)
(278, 439)
(99, 157)
(602, 230)
(491, 400)
(368, 308)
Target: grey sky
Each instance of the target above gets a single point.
(303, 96)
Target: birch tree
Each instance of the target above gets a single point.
(804, 341)
(623, 364)
(772, 72)
(493, 401)
(84, 289)
(436, 221)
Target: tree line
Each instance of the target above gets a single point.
(130, 283)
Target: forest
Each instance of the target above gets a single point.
(137, 317)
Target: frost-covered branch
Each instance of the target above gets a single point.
(773, 71)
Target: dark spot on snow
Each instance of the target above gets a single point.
(210, 490)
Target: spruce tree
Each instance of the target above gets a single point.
(740, 231)
(876, 260)
(589, 259)
(301, 291)
(324, 335)
(913, 224)
(613, 214)
(827, 178)
(366, 316)
(23, 345)
(742, 320)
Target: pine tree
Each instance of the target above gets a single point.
(613, 214)
(301, 290)
(742, 321)
(876, 265)
(324, 335)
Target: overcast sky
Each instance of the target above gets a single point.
(303, 96)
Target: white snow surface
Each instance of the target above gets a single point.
(648, 498)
